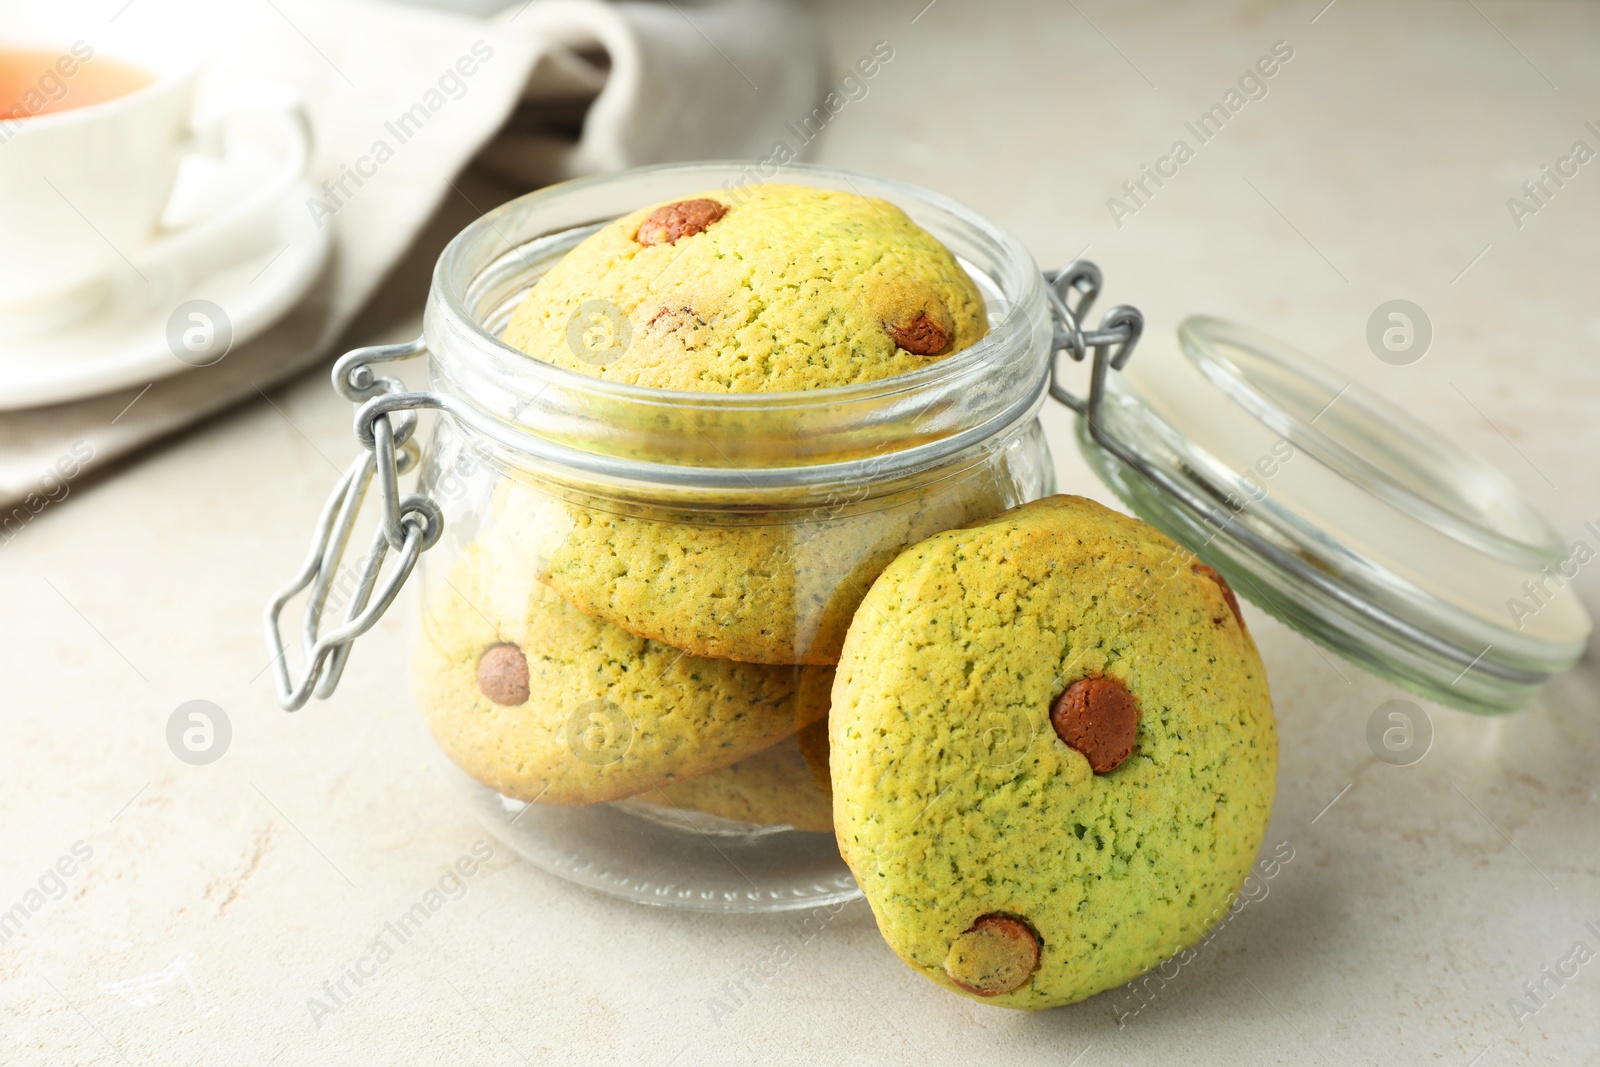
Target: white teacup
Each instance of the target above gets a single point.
(83, 189)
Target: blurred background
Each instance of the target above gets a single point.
(168, 435)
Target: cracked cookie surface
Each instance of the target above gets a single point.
(788, 287)
(956, 801)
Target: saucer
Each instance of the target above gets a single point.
(124, 341)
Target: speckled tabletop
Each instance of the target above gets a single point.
(1446, 912)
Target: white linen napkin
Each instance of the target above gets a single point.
(570, 87)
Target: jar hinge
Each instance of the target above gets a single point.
(408, 526)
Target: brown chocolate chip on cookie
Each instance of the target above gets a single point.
(921, 335)
(503, 675)
(1227, 592)
(996, 954)
(1098, 717)
(666, 224)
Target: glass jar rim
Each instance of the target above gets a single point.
(898, 423)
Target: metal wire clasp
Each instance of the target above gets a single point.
(385, 425)
(1112, 343)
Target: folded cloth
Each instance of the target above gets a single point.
(586, 87)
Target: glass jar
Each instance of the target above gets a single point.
(634, 596)
(635, 586)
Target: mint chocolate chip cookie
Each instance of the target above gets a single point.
(770, 289)
(541, 702)
(1052, 750)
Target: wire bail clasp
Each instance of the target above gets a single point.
(409, 526)
(1112, 344)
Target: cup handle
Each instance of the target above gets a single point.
(212, 241)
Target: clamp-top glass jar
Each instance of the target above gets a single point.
(628, 628)
(635, 585)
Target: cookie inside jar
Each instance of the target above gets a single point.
(589, 646)
(683, 443)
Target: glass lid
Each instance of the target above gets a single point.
(1370, 441)
(1330, 507)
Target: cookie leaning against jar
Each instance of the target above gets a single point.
(775, 288)
(540, 702)
(1053, 752)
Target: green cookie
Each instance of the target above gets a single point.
(997, 861)
(541, 702)
(775, 787)
(770, 289)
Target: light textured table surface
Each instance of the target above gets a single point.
(215, 900)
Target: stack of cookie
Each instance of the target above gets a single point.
(582, 649)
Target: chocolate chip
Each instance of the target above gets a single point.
(666, 224)
(997, 954)
(1098, 717)
(921, 335)
(503, 674)
(1227, 592)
